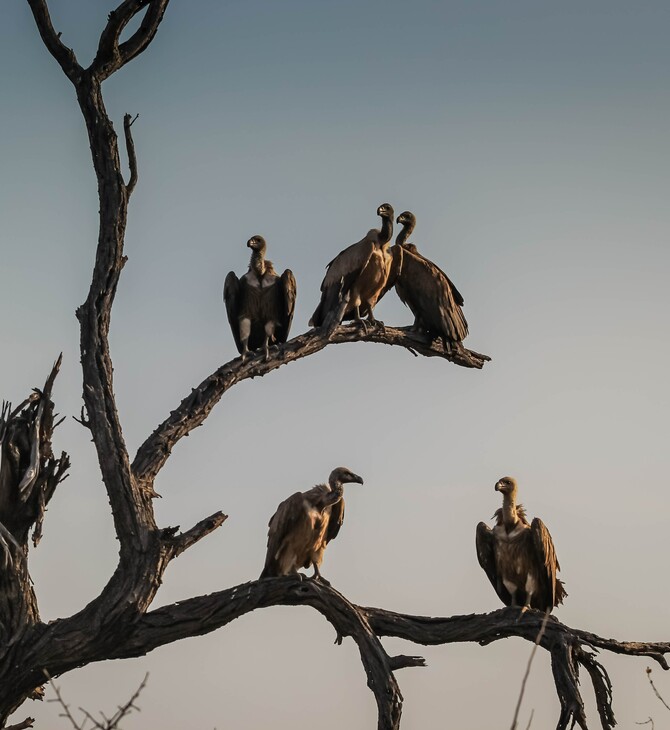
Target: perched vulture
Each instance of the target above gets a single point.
(304, 524)
(361, 271)
(260, 304)
(519, 558)
(421, 285)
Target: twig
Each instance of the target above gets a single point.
(656, 692)
(528, 666)
(28, 722)
(59, 699)
(108, 723)
(646, 722)
(128, 122)
(530, 719)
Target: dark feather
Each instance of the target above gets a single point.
(485, 543)
(231, 296)
(552, 592)
(284, 520)
(434, 301)
(288, 290)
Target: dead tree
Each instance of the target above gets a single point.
(119, 622)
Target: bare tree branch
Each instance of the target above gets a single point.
(51, 39)
(145, 33)
(108, 723)
(28, 722)
(656, 692)
(569, 647)
(112, 55)
(190, 537)
(128, 122)
(194, 409)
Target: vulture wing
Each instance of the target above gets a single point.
(341, 273)
(427, 291)
(552, 590)
(288, 293)
(485, 542)
(231, 298)
(281, 524)
(348, 263)
(336, 520)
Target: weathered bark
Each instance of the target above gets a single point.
(118, 623)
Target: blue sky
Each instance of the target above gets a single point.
(530, 140)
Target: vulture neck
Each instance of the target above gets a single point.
(509, 513)
(337, 489)
(257, 263)
(405, 233)
(386, 231)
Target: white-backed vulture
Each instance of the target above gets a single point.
(304, 524)
(260, 304)
(519, 558)
(429, 293)
(361, 271)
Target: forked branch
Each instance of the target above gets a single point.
(51, 39)
(112, 54)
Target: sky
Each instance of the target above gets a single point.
(530, 139)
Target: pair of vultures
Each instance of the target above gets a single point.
(517, 556)
(260, 304)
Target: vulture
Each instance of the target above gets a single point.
(304, 524)
(430, 294)
(361, 271)
(519, 558)
(260, 304)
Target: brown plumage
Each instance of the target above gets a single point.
(519, 558)
(304, 524)
(260, 304)
(432, 297)
(361, 271)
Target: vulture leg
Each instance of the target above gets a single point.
(376, 322)
(416, 327)
(360, 321)
(245, 331)
(317, 576)
(269, 337)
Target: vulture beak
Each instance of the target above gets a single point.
(250, 243)
(355, 478)
(399, 219)
(498, 486)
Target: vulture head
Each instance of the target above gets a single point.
(406, 219)
(385, 210)
(342, 475)
(506, 485)
(257, 243)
